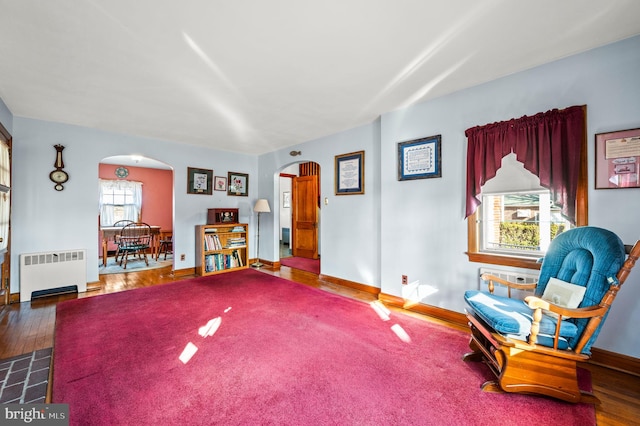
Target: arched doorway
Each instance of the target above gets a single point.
(119, 176)
(300, 216)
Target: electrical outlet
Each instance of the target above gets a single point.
(183, 257)
(405, 280)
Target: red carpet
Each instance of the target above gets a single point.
(309, 265)
(277, 352)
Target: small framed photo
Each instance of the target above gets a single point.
(238, 184)
(199, 181)
(286, 199)
(420, 158)
(349, 179)
(617, 159)
(220, 183)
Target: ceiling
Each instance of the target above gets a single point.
(255, 76)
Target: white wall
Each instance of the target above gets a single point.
(44, 219)
(349, 233)
(417, 228)
(411, 227)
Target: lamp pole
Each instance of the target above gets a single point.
(261, 206)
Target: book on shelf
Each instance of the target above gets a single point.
(236, 242)
(212, 242)
(220, 261)
(238, 229)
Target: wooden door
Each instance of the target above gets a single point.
(304, 220)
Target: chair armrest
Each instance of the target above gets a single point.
(535, 302)
(595, 313)
(493, 279)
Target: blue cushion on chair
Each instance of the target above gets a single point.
(512, 317)
(585, 256)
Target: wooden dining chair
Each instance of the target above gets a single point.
(135, 239)
(116, 238)
(166, 246)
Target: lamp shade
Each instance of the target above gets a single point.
(262, 206)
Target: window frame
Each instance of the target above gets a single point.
(582, 215)
(113, 195)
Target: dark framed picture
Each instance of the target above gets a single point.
(349, 179)
(199, 181)
(220, 183)
(617, 159)
(238, 184)
(420, 158)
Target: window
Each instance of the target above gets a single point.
(514, 208)
(119, 200)
(519, 223)
(516, 217)
(5, 194)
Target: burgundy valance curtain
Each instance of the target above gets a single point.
(548, 143)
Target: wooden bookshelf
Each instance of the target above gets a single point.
(221, 248)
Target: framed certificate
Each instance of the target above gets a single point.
(617, 159)
(419, 158)
(350, 173)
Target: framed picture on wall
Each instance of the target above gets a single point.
(220, 183)
(349, 177)
(618, 159)
(419, 158)
(238, 184)
(286, 199)
(199, 181)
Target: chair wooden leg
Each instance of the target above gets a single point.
(476, 355)
(535, 372)
(492, 386)
(527, 371)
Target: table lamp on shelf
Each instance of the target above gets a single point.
(261, 206)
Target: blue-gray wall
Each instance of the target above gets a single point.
(43, 219)
(413, 228)
(420, 229)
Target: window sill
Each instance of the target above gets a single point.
(513, 261)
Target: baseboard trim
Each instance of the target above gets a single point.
(184, 272)
(615, 361)
(350, 284)
(454, 318)
(601, 357)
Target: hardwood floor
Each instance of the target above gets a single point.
(25, 327)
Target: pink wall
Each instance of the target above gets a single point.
(157, 194)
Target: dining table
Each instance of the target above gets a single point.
(110, 232)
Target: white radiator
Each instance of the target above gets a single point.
(515, 276)
(53, 272)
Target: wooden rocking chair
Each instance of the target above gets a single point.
(533, 346)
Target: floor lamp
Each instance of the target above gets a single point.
(262, 206)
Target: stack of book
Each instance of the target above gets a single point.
(236, 242)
